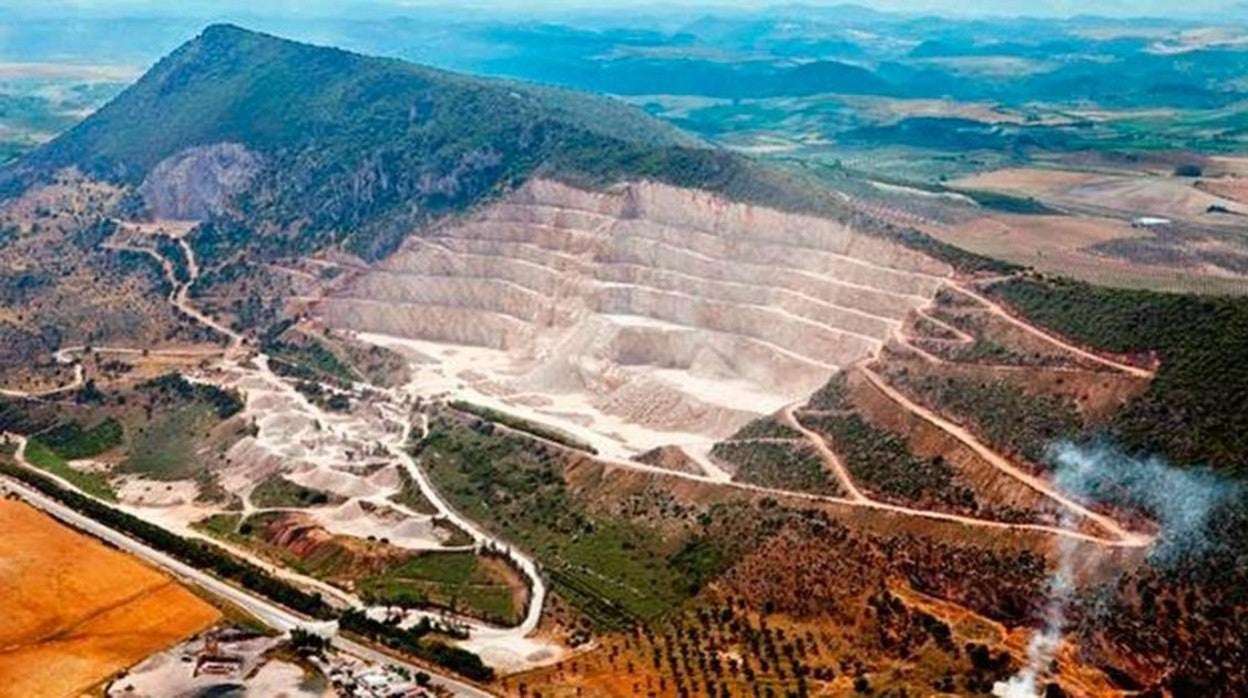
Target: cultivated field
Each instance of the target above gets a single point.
(1126, 195)
(77, 612)
(1076, 246)
(889, 110)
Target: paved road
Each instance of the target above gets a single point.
(269, 613)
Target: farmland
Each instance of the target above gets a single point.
(78, 612)
(545, 361)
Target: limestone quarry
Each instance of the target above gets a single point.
(636, 317)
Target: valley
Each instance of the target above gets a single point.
(358, 461)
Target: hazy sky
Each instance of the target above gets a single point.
(1232, 9)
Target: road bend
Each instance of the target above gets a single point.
(271, 614)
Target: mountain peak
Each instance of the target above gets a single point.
(340, 140)
(229, 35)
(226, 30)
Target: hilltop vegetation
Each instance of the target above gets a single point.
(351, 147)
(1196, 410)
(339, 149)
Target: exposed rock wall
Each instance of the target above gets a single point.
(671, 307)
(197, 183)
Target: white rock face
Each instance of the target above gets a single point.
(667, 308)
(198, 182)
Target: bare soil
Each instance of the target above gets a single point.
(77, 612)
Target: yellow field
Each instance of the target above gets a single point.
(76, 612)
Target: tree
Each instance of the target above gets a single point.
(307, 643)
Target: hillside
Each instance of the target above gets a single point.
(338, 147)
(430, 343)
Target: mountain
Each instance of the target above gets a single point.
(316, 146)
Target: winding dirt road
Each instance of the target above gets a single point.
(1116, 535)
(396, 403)
(269, 613)
(789, 418)
(1004, 465)
(1056, 341)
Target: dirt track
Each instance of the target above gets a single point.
(855, 497)
(1116, 536)
(830, 457)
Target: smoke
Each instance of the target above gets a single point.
(1179, 500)
(1044, 644)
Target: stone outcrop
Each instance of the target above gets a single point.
(197, 183)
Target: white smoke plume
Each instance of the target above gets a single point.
(1180, 500)
(1044, 644)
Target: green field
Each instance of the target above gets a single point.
(614, 569)
(462, 581)
(222, 526)
(458, 581)
(44, 458)
(276, 492)
(71, 441)
(164, 448)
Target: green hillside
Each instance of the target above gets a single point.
(358, 150)
(278, 97)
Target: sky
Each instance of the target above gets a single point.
(1234, 9)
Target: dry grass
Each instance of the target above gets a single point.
(1233, 188)
(77, 612)
(1226, 165)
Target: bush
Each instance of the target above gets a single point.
(881, 461)
(521, 424)
(227, 403)
(1196, 410)
(412, 641)
(71, 441)
(780, 465)
(307, 643)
